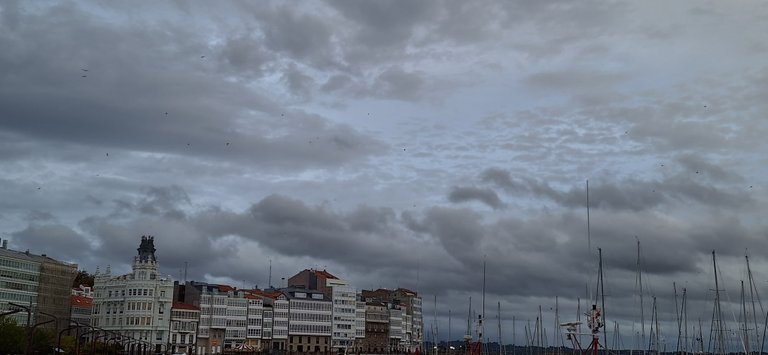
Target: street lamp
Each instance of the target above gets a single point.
(77, 342)
(95, 338)
(77, 334)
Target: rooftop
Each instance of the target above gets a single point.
(80, 301)
(26, 255)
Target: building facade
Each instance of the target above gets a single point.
(80, 309)
(185, 319)
(404, 308)
(310, 321)
(376, 339)
(359, 322)
(344, 298)
(37, 282)
(137, 304)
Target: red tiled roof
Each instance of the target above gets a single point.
(180, 305)
(225, 288)
(325, 274)
(81, 301)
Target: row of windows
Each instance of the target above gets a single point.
(176, 313)
(139, 320)
(236, 323)
(19, 275)
(21, 265)
(139, 306)
(183, 339)
(18, 286)
(235, 334)
(183, 326)
(17, 297)
(236, 312)
(310, 317)
(237, 302)
(311, 306)
(308, 339)
(310, 329)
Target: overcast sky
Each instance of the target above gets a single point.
(397, 144)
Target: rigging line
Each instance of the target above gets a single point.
(733, 314)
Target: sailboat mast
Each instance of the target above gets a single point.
(435, 322)
(642, 307)
(469, 320)
(602, 296)
(752, 294)
(679, 322)
(744, 319)
(499, 319)
(701, 338)
(684, 310)
(557, 326)
(482, 316)
(719, 340)
(658, 331)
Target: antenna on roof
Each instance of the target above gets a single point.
(269, 284)
(185, 271)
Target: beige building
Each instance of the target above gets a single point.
(36, 281)
(376, 339)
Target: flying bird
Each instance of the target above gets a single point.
(38, 187)
(84, 69)
(85, 76)
(202, 56)
(227, 143)
(166, 113)
(107, 154)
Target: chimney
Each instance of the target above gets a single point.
(5, 244)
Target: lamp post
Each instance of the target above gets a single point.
(31, 329)
(77, 336)
(95, 338)
(27, 309)
(77, 342)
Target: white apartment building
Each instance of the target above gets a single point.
(344, 298)
(395, 328)
(236, 319)
(255, 320)
(280, 320)
(184, 322)
(359, 321)
(137, 304)
(310, 321)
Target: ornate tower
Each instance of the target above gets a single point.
(145, 263)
